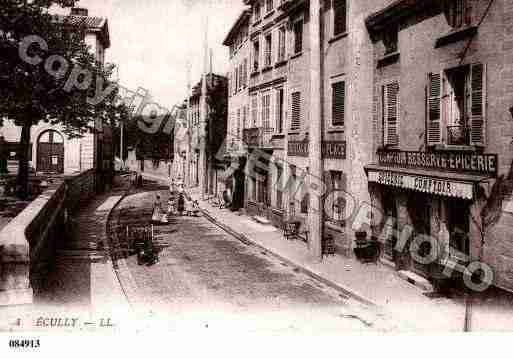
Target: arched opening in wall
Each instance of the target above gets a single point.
(50, 152)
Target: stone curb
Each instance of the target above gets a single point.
(248, 241)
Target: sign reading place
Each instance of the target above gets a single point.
(330, 149)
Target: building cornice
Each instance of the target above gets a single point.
(395, 12)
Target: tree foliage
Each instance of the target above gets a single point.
(30, 94)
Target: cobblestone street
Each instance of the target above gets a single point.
(206, 277)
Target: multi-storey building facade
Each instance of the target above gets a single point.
(442, 123)
(238, 103)
(415, 115)
(52, 150)
(280, 94)
(214, 132)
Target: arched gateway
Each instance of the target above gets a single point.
(50, 152)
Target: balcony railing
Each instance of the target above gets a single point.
(257, 136)
(458, 135)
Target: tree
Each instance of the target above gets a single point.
(50, 91)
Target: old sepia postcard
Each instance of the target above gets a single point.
(255, 166)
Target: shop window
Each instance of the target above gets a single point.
(458, 13)
(339, 17)
(457, 103)
(298, 36)
(338, 206)
(338, 90)
(391, 109)
(458, 224)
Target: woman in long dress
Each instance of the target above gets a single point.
(157, 210)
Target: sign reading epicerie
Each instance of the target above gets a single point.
(432, 185)
(485, 164)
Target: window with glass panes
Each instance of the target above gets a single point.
(298, 36)
(281, 43)
(266, 110)
(339, 17)
(268, 49)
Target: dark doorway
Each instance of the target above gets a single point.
(390, 210)
(50, 152)
(238, 189)
(458, 224)
(419, 206)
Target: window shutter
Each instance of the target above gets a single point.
(434, 128)
(391, 114)
(338, 103)
(478, 104)
(295, 123)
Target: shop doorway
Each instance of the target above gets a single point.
(390, 210)
(458, 224)
(238, 182)
(419, 208)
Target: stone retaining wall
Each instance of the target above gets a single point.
(27, 243)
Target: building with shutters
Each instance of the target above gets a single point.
(52, 151)
(238, 42)
(215, 127)
(276, 128)
(415, 122)
(442, 150)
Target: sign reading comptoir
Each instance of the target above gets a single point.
(431, 185)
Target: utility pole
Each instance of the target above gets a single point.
(315, 209)
(187, 178)
(203, 173)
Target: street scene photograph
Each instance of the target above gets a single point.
(301, 167)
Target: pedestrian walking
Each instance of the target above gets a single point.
(157, 213)
(180, 204)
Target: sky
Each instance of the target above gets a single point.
(152, 40)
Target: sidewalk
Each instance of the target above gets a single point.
(83, 283)
(374, 283)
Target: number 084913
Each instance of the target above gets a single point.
(24, 343)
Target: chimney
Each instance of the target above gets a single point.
(79, 11)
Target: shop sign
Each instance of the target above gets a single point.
(330, 149)
(298, 148)
(426, 184)
(455, 161)
(334, 149)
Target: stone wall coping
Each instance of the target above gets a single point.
(14, 244)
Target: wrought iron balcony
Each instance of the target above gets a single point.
(458, 135)
(258, 136)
